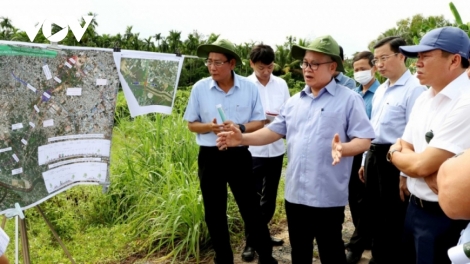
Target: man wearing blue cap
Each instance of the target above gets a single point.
(437, 130)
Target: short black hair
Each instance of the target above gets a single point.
(364, 55)
(341, 53)
(263, 53)
(395, 42)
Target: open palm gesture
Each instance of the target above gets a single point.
(336, 149)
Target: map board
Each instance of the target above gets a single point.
(149, 80)
(56, 120)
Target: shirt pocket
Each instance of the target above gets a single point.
(328, 124)
(392, 115)
(242, 113)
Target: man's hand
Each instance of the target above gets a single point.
(228, 124)
(431, 181)
(361, 174)
(336, 149)
(232, 138)
(403, 188)
(216, 128)
(397, 146)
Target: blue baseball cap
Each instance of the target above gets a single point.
(450, 39)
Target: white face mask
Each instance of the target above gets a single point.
(363, 77)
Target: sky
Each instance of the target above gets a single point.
(352, 23)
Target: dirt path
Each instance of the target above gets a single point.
(282, 253)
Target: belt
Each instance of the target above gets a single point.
(216, 148)
(380, 147)
(426, 205)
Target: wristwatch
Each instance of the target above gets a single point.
(242, 128)
(390, 154)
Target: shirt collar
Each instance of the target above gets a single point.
(339, 77)
(371, 89)
(236, 82)
(402, 80)
(254, 78)
(330, 88)
(452, 90)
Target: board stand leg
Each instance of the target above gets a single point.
(20, 224)
(55, 234)
(24, 240)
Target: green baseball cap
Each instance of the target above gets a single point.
(324, 44)
(220, 46)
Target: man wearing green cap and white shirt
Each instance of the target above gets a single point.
(318, 170)
(238, 100)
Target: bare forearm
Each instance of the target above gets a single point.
(355, 147)
(454, 186)
(260, 137)
(200, 128)
(253, 126)
(407, 163)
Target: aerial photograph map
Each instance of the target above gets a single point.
(149, 81)
(152, 81)
(56, 120)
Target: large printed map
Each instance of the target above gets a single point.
(56, 119)
(149, 80)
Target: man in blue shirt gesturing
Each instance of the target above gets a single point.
(316, 192)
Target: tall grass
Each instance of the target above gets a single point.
(155, 179)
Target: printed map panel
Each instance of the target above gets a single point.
(56, 120)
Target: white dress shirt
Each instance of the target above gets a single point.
(391, 108)
(447, 114)
(273, 96)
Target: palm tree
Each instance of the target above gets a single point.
(5, 23)
(90, 35)
(190, 45)
(149, 46)
(158, 37)
(174, 40)
(6, 28)
(282, 58)
(164, 47)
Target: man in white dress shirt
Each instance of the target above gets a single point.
(267, 160)
(437, 130)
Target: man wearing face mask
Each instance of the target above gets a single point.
(385, 189)
(364, 74)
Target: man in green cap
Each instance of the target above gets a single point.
(216, 103)
(318, 170)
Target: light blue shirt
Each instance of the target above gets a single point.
(391, 107)
(346, 81)
(368, 95)
(309, 124)
(242, 104)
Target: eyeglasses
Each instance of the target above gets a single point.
(312, 66)
(216, 63)
(382, 59)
